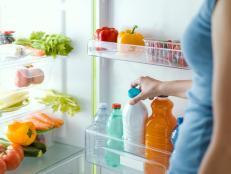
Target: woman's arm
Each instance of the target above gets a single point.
(218, 157)
(151, 88)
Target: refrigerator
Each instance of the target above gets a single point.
(94, 76)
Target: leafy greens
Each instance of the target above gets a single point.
(60, 102)
(52, 44)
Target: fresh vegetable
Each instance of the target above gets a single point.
(32, 152)
(12, 156)
(40, 146)
(60, 102)
(36, 149)
(24, 42)
(44, 122)
(18, 149)
(131, 37)
(52, 44)
(106, 34)
(37, 52)
(52, 121)
(3, 166)
(22, 133)
(12, 159)
(12, 99)
(39, 125)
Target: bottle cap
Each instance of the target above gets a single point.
(102, 106)
(180, 120)
(133, 92)
(116, 106)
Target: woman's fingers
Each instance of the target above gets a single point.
(136, 99)
(136, 83)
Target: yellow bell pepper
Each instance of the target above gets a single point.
(22, 133)
(131, 37)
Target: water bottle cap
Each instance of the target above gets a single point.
(116, 106)
(133, 92)
(180, 120)
(102, 106)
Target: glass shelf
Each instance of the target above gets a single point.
(9, 62)
(30, 107)
(123, 156)
(160, 53)
(56, 154)
(22, 112)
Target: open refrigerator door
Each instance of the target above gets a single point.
(162, 24)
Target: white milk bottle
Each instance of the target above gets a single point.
(134, 119)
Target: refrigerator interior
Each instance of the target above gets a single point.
(72, 75)
(158, 19)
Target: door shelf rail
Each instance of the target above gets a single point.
(160, 53)
(123, 156)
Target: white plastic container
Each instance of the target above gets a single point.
(134, 119)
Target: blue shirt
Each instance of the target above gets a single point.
(195, 133)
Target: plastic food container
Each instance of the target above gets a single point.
(129, 162)
(6, 37)
(167, 53)
(23, 75)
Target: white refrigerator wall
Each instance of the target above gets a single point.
(158, 19)
(72, 75)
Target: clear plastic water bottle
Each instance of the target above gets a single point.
(100, 122)
(134, 119)
(115, 133)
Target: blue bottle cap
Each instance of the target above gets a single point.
(180, 120)
(133, 92)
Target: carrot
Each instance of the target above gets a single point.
(55, 122)
(44, 118)
(39, 125)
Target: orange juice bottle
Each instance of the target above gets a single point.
(158, 132)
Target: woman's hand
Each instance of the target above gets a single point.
(151, 88)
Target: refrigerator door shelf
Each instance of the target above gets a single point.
(130, 161)
(26, 74)
(160, 53)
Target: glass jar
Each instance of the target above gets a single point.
(6, 37)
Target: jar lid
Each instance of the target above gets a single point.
(7, 32)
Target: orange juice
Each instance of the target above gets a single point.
(158, 132)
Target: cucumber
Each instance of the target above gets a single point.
(40, 146)
(32, 152)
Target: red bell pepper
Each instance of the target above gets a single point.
(106, 34)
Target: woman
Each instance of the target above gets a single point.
(204, 143)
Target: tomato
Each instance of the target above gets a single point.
(11, 158)
(39, 53)
(2, 148)
(18, 148)
(2, 166)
